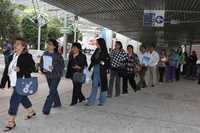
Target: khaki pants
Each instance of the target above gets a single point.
(152, 76)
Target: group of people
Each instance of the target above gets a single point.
(119, 63)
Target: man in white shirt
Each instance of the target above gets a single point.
(152, 66)
(143, 68)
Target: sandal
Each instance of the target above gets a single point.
(30, 115)
(11, 125)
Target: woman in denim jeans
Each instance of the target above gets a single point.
(99, 62)
(21, 65)
(53, 75)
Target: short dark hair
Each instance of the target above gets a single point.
(119, 43)
(130, 46)
(55, 43)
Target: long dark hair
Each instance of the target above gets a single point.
(55, 43)
(102, 45)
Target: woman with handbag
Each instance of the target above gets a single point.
(77, 63)
(21, 66)
(100, 62)
(52, 65)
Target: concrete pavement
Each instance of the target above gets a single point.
(167, 108)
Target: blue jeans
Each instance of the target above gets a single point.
(15, 100)
(53, 96)
(96, 84)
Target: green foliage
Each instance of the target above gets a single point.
(30, 32)
(8, 23)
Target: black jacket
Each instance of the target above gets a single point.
(25, 63)
(79, 60)
(102, 58)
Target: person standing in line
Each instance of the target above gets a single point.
(152, 66)
(143, 68)
(172, 62)
(118, 55)
(77, 63)
(100, 62)
(7, 52)
(21, 65)
(179, 55)
(53, 75)
(131, 65)
(162, 65)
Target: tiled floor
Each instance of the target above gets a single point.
(167, 108)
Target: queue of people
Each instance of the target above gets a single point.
(149, 65)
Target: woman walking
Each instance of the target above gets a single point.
(21, 65)
(77, 63)
(100, 63)
(53, 74)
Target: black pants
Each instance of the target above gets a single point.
(5, 79)
(131, 79)
(178, 72)
(161, 74)
(77, 93)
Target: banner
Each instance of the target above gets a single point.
(154, 18)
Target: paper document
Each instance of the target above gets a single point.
(47, 63)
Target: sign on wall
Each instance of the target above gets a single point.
(154, 18)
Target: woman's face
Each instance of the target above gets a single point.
(117, 46)
(130, 50)
(18, 46)
(50, 46)
(75, 50)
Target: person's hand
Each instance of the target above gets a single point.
(77, 67)
(51, 68)
(17, 69)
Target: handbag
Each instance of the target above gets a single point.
(79, 77)
(26, 86)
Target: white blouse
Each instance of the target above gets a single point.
(12, 70)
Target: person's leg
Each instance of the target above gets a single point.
(14, 103)
(150, 76)
(154, 74)
(160, 74)
(4, 79)
(111, 83)
(75, 93)
(178, 73)
(51, 97)
(102, 98)
(131, 78)
(117, 85)
(81, 97)
(94, 90)
(57, 101)
(125, 85)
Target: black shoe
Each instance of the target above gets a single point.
(124, 92)
(46, 113)
(8, 128)
(56, 106)
(100, 104)
(30, 116)
(82, 100)
(153, 86)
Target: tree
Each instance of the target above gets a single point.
(54, 25)
(30, 32)
(8, 22)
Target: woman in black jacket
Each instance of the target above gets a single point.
(77, 63)
(99, 62)
(22, 65)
